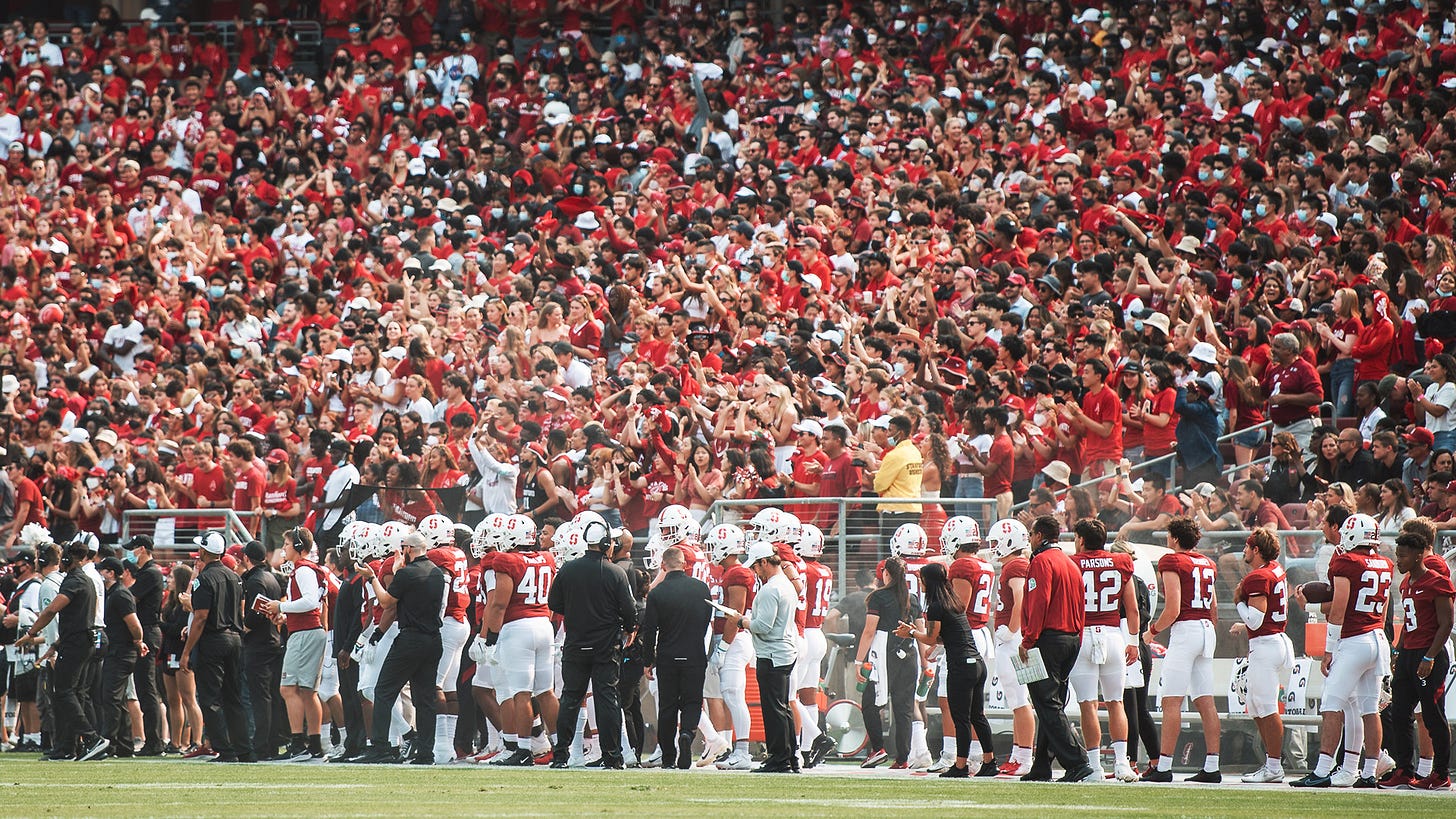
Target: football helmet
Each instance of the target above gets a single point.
(484, 538)
(675, 524)
(520, 532)
(1359, 530)
(655, 547)
(790, 529)
(392, 535)
(909, 541)
(438, 530)
(725, 539)
(1008, 536)
(567, 543)
(811, 541)
(765, 525)
(959, 531)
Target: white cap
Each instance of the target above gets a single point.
(417, 167)
(1203, 351)
(758, 551)
(447, 205)
(882, 422)
(1090, 16)
(441, 264)
(556, 113)
(587, 220)
(9, 384)
(341, 354)
(814, 282)
(78, 436)
(1329, 219)
(810, 426)
(210, 542)
(412, 264)
(833, 392)
(830, 335)
(394, 352)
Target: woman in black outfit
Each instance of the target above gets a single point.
(895, 661)
(965, 681)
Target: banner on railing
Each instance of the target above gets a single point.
(382, 504)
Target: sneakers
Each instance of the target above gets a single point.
(96, 750)
(1385, 764)
(946, 762)
(987, 770)
(1434, 782)
(591, 751)
(874, 759)
(299, 753)
(1098, 774)
(899, 766)
(1262, 776)
(1206, 777)
(1398, 779)
(199, 752)
(1152, 774)
(920, 761)
(519, 758)
(954, 772)
(1086, 773)
(1124, 772)
(654, 761)
(819, 750)
(715, 751)
(1311, 780)
(1341, 778)
(1012, 768)
(543, 758)
(1366, 782)
(736, 761)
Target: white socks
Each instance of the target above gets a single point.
(808, 725)
(917, 739)
(1119, 751)
(1352, 761)
(1165, 763)
(948, 746)
(1021, 755)
(1273, 765)
(1210, 763)
(1325, 765)
(445, 737)
(1424, 766)
(1369, 770)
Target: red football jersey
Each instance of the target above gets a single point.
(913, 565)
(1268, 581)
(979, 574)
(531, 573)
(1016, 567)
(1104, 575)
(695, 563)
(1436, 563)
(1419, 631)
(791, 558)
(456, 568)
(819, 585)
(303, 621)
(715, 586)
(739, 576)
(1370, 576)
(1196, 573)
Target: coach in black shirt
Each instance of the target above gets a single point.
(75, 604)
(673, 630)
(262, 649)
(147, 585)
(214, 652)
(414, 599)
(348, 611)
(594, 597)
(125, 648)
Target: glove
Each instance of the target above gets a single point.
(487, 656)
(358, 651)
(376, 637)
(1004, 635)
(715, 659)
(477, 649)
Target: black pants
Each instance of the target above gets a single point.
(353, 707)
(217, 665)
(262, 665)
(1139, 718)
(778, 720)
(1406, 689)
(679, 707)
(965, 693)
(144, 678)
(68, 680)
(900, 676)
(412, 659)
(603, 669)
(1049, 697)
(629, 692)
(89, 689)
(116, 671)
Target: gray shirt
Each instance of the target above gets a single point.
(772, 621)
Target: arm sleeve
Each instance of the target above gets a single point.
(1252, 617)
(310, 593)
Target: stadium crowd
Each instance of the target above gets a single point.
(619, 259)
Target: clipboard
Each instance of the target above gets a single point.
(1033, 670)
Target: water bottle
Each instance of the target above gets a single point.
(927, 682)
(865, 670)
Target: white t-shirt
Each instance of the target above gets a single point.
(117, 334)
(1445, 395)
(340, 481)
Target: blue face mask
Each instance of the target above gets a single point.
(1381, 72)
(1363, 41)
(1243, 152)
(543, 146)
(1261, 209)
(216, 291)
(972, 116)
(359, 79)
(420, 63)
(1204, 175)
(108, 69)
(430, 102)
(1156, 76)
(922, 29)
(808, 93)
(1219, 173)
(1211, 223)
(855, 76)
(1303, 214)
(1425, 200)
(408, 211)
(1248, 214)
(464, 36)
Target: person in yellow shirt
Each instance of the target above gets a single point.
(896, 475)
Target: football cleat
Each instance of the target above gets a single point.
(1341, 778)
(736, 761)
(1262, 776)
(1311, 780)
(1434, 782)
(1206, 777)
(946, 762)
(921, 761)
(874, 759)
(1124, 772)
(1152, 774)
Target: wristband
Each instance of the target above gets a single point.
(1332, 637)
(1428, 659)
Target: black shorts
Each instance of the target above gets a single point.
(25, 686)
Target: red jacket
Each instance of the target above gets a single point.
(1054, 596)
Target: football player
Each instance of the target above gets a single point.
(484, 545)
(974, 581)
(1263, 606)
(439, 532)
(1107, 646)
(1189, 609)
(911, 544)
(1009, 541)
(518, 624)
(818, 587)
(735, 651)
(1421, 665)
(388, 557)
(716, 724)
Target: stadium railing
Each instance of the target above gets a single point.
(172, 530)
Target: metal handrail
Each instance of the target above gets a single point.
(231, 523)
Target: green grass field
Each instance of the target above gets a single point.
(188, 789)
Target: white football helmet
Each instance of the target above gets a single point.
(959, 531)
(675, 524)
(909, 541)
(765, 525)
(438, 531)
(655, 547)
(790, 528)
(811, 541)
(520, 532)
(1359, 530)
(1008, 537)
(392, 535)
(484, 538)
(567, 543)
(595, 531)
(723, 540)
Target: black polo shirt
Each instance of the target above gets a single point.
(79, 616)
(119, 603)
(261, 631)
(676, 621)
(218, 590)
(147, 587)
(419, 591)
